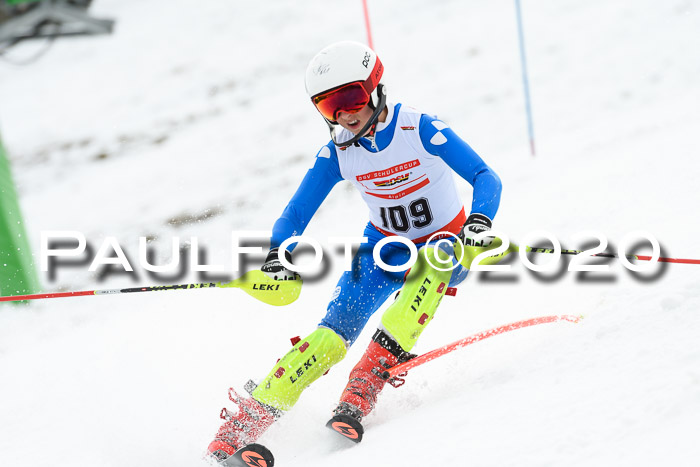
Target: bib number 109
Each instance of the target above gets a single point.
(401, 218)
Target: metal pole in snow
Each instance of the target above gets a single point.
(526, 84)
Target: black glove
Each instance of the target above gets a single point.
(273, 267)
(476, 223)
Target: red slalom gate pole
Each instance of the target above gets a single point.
(669, 260)
(433, 354)
(36, 296)
(81, 293)
(367, 25)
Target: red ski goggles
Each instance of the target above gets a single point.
(350, 98)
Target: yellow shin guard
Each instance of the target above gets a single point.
(305, 363)
(420, 296)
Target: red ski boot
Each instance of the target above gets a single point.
(242, 428)
(360, 394)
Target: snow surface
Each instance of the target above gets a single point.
(197, 111)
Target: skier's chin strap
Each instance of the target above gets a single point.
(370, 127)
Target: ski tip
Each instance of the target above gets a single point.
(252, 455)
(346, 426)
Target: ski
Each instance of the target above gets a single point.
(347, 426)
(252, 455)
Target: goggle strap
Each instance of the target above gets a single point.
(374, 77)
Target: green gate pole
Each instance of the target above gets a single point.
(18, 275)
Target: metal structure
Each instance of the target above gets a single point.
(28, 19)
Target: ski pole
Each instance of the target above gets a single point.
(473, 251)
(433, 354)
(257, 284)
(613, 255)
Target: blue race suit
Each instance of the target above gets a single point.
(363, 289)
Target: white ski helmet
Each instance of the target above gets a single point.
(346, 76)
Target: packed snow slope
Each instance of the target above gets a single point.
(192, 120)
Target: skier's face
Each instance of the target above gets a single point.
(354, 122)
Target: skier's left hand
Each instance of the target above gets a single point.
(273, 267)
(476, 223)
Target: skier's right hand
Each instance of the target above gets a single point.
(274, 268)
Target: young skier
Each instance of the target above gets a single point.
(402, 162)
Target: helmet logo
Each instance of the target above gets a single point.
(365, 61)
(322, 68)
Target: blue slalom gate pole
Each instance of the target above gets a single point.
(526, 83)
